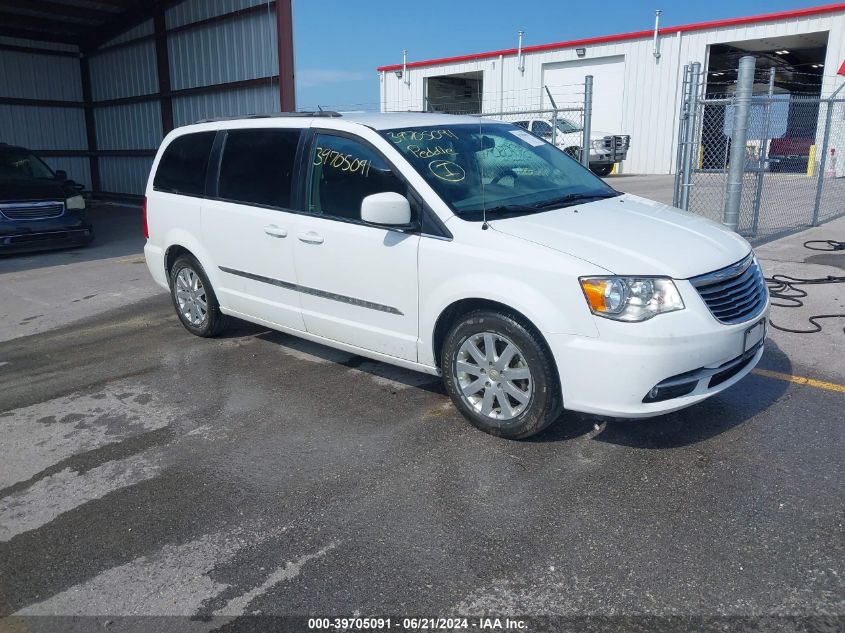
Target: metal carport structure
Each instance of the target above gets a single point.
(93, 86)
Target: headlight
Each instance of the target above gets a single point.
(598, 143)
(631, 298)
(76, 202)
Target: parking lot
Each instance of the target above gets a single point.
(150, 472)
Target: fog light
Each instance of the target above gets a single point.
(662, 391)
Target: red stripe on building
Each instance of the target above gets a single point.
(620, 37)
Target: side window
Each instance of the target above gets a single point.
(183, 165)
(257, 166)
(541, 128)
(521, 124)
(343, 173)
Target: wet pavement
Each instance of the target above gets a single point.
(149, 472)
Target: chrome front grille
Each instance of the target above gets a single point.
(32, 210)
(618, 142)
(735, 293)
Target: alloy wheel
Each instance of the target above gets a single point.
(191, 297)
(493, 376)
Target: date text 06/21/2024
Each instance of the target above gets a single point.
(415, 624)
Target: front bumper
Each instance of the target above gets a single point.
(604, 157)
(45, 240)
(613, 374)
(69, 229)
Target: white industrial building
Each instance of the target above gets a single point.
(637, 76)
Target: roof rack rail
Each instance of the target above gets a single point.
(271, 115)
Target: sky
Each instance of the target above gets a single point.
(339, 43)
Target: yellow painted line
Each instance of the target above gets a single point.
(800, 380)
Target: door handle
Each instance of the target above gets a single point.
(275, 231)
(311, 238)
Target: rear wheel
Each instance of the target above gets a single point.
(500, 375)
(602, 170)
(194, 298)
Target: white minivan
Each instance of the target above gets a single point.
(456, 246)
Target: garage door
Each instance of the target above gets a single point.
(608, 87)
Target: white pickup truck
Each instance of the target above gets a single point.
(605, 149)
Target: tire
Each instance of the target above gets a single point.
(602, 170)
(480, 399)
(188, 301)
(574, 153)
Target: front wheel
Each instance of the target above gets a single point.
(602, 170)
(574, 153)
(500, 375)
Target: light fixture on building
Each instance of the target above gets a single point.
(818, 66)
(580, 52)
(404, 71)
(520, 58)
(656, 49)
(782, 52)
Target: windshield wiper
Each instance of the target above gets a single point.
(502, 210)
(505, 210)
(572, 199)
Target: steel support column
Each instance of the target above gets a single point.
(284, 40)
(90, 127)
(163, 68)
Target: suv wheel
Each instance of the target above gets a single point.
(602, 170)
(500, 376)
(194, 298)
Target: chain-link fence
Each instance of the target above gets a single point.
(563, 127)
(764, 161)
(558, 113)
(561, 114)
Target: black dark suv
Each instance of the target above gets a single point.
(39, 208)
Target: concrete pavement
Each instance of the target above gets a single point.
(148, 472)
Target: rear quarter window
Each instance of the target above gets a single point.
(184, 163)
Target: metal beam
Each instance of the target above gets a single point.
(43, 36)
(163, 67)
(121, 5)
(37, 51)
(81, 153)
(229, 85)
(284, 41)
(135, 15)
(223, 17)
(60, 103)
(43, 25)
(58, 8)
(90, 125)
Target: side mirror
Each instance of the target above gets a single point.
(388, 208)
(61, 175)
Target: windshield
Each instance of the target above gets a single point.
(17, 163)
(496, 168)
(567, 127)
